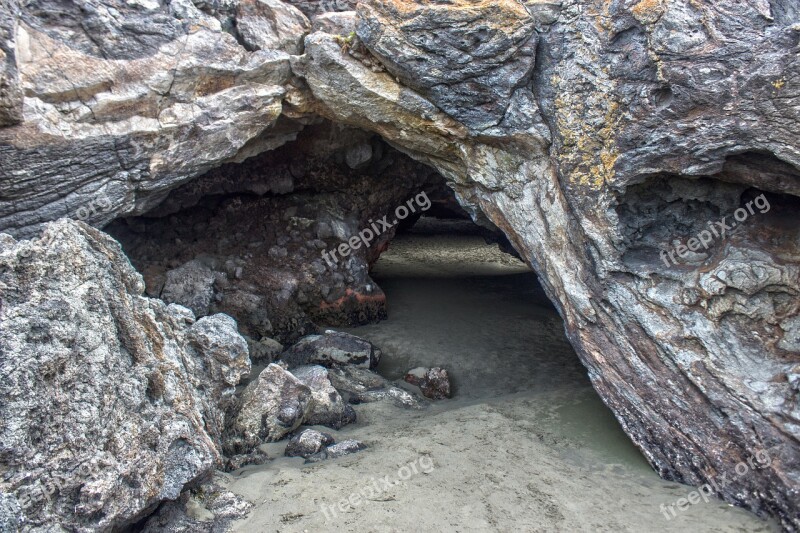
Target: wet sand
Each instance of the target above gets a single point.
(525, 444)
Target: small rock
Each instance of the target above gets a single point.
(307, 442)
(329, 408)
(433, 382)
(346, 447)
(332, 348)
(191, 285)
(270, 407)
(235, 462)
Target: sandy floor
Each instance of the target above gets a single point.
(525, 444)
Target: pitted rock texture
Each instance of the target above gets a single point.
(271, 406)
(112, 402)
(468, 57)
(636, 120)
(208, 508)
(331, 349)
(699, 369)
(329, 408)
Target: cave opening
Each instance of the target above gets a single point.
(277, 241)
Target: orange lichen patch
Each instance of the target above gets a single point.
(649, 11)
(779, 84)
(350, 295)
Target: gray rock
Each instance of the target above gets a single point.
(208, 508)
(334, 451)
(264, 349)
(332, 348)
(467, 61)
(271, 25)
(112, 401)
(191, 285)
(307, 442)
(329, 408)
(359, 385)
(10, 87)
(271, 406)
(341, 23)
(10, 514)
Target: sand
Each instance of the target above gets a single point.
(524, 445)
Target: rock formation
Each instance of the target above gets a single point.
(112, 402)
(598, 136)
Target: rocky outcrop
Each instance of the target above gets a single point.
(119, 110)
(634, 127)
(698, 368)
(112, 402)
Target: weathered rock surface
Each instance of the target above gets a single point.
(267, 228)
(191, 285)
(329, 408)
(271, 25)
(334, 451)
(332, 348)
(307, 442)
(118, 110)
(359, 385)
(466, 57)
(10, 88)
(270, 407)
(112, 402)
(208, 508)
(636, 120)
(433, 382)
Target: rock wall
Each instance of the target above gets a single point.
(599, 136)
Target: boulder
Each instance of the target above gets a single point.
(307, 442)
(271, 406)
(433, 382)
(358, 385)
(112, 402)
(332, 348)
(329, 408)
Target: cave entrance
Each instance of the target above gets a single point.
(459, 298)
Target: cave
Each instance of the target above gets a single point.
(446, 264)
